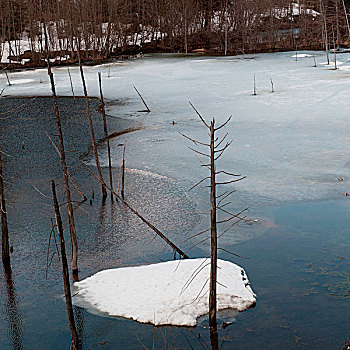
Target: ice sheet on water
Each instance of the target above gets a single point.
(291, 144)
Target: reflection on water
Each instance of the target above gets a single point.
(80, 323)
(14, 319)
(214, 339)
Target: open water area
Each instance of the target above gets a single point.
(292, 145)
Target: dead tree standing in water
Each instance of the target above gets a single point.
(73, 234)
(4, 228)
(123, 174)
(215, 152)
(93, 140)
(106, 135)
(67, 292)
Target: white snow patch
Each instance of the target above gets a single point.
(301, 55)
(21, 81)
(331, 64)
(172, 292)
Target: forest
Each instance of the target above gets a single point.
(102, 29)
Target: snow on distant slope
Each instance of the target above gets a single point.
(172, 292)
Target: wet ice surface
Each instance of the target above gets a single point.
(290, 144)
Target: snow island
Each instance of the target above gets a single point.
(168, 293)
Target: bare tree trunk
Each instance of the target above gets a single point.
(334, 49)
(184, 7)
(106, 135)
(71, 83)
(214, 150)
(4, 228)
(143, 101)
(93, 141)
(73, 233)
(347, 19)
(213, 252)
(337, 22)
(65, 273)
(254, 87)
(226, 29)
(123, 174)
(323, 14)
(7, 77)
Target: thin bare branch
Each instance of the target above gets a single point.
(222, 140)
(68, 173)
(221, 153)
(203, 154)
(227, 173)
(223, 198)
(222, 125)
(201, 118)
(197, 244)
(231, 181)
(196, 235)
(204, 189)
(205, 283)
(227, 251)
(224, 205)
(193, 140)
(233, 216)
(233, 224)
(221, 284)
(193, 276)
(203, 164)
(222, 194)
(198, 199)
(228, 144)
(44, 195)
(48, 252)
(198, 183)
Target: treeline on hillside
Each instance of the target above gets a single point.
(106, 28)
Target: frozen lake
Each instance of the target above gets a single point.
(291, 144)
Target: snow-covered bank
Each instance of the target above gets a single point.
(171, 292)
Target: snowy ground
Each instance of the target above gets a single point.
(172, 292)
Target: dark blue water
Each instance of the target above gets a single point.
(299, 265)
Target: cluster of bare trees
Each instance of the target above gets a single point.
(103, 28)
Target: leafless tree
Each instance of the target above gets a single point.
(216, 147)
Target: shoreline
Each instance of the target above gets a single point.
(17, 67)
